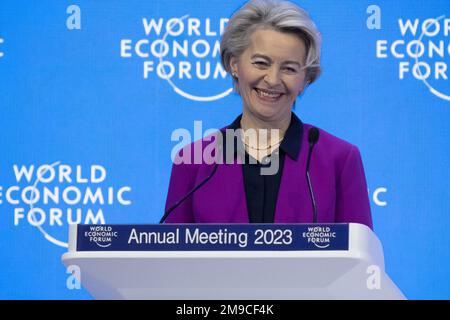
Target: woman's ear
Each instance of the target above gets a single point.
(303, 88)
(234, 67)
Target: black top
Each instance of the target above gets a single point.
(261, 179)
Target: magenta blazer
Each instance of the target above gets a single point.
(337, 176)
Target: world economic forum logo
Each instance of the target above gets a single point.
(320, 237)
(185, 53)
(49, 197)
(102, 236)
(422, 51)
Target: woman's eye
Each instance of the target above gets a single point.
(260, 63)
(289, 69)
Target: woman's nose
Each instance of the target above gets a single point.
(272, 77)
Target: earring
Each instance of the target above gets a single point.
(234, 74)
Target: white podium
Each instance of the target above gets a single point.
(354, 273)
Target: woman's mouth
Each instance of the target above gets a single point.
(268, 95)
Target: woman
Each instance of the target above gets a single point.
(272, 51)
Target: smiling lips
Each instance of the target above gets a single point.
(268, 95)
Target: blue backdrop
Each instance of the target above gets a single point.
(82, 91)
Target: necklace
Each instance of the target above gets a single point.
(264, 148)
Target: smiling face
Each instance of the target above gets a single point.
(270, 74)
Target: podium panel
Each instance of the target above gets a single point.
(285, 261)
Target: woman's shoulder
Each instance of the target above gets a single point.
(329, 143)
(326, 137)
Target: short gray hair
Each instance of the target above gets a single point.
(281, 16)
